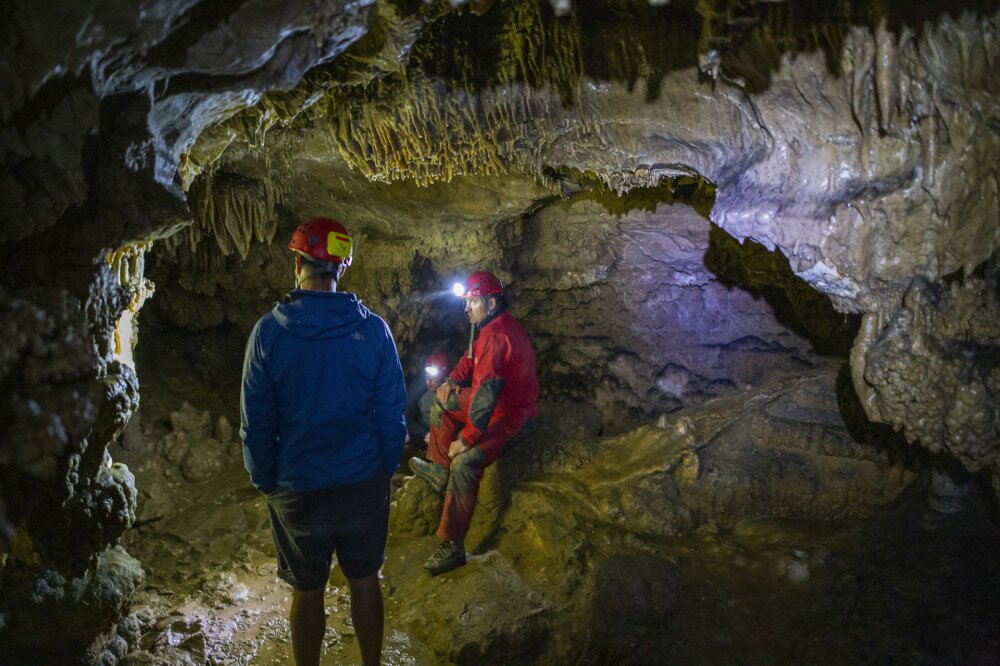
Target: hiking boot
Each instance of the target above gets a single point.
(436, 475)
(449, 555)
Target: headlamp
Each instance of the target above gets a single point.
(432, 371)
(458, 289)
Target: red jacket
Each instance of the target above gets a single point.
(503, 375)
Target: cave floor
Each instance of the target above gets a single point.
(211, 590)
(904, 586)
(907, 586)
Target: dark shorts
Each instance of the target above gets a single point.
(308, 527)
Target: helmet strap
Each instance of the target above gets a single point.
(311, 268)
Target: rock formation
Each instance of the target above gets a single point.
(688, 199)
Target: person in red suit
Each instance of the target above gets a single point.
(489, 401)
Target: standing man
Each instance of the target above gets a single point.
(490, 397)
(321, 414)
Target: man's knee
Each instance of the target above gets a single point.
(464, 470)
(363, 584)
(436, 411)
(451, 404)
(310, 597)
(439, 408)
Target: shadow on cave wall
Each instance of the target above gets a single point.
(748, 266)
(768, 275)
(639, 306)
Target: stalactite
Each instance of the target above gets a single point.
(886, 74)
(232, 213)
(129, 263)
(409, 128)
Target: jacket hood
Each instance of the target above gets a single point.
(320, 315)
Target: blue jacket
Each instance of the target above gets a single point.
(323, 395)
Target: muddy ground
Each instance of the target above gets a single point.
(908, 584)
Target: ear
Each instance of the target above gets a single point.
(491, 304)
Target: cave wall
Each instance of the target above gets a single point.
(859, 138)
(99, 101)
(627, 314)
(618, 295)
(831, 155)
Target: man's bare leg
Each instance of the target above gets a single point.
(367, 614)
(308, 620)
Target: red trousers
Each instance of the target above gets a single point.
(466, 469)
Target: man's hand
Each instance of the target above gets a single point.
(457, 447)
(444, 391)
(427, 439)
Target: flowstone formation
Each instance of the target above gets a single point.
(945, 338)
(70, 501)
(563, 146)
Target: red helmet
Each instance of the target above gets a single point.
(437, 365)
(323, 239)
(482, 283)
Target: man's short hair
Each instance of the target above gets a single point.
(326, 276)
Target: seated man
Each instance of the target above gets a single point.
(418, 408)
(490, 398)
